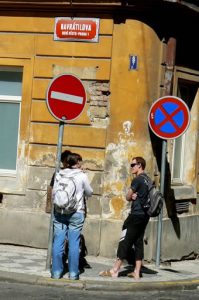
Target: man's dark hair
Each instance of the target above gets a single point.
(140, 160)
(73, 159)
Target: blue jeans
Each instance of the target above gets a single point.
(66, 227)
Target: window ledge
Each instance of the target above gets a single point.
(184, 192)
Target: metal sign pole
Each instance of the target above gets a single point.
(66, 103)
(57, 166)
(161, 113)
(162, 180)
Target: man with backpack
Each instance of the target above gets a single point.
(71, 185)
(134, 226)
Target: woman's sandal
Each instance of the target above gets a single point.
(108, 273)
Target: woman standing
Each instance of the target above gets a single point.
(70, 224)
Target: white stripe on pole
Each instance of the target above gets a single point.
(67, 97)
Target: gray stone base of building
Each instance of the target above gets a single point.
(179, 237)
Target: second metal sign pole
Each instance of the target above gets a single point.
(162, 181)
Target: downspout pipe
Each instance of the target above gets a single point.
(168, 85)
(169, 65)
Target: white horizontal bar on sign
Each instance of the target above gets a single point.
(67, 97)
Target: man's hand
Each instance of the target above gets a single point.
(131, 195)
(134, 196)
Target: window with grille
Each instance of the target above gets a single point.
(186, 89)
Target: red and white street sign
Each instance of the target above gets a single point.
(66, 97)
(76, 29)
(169, 117)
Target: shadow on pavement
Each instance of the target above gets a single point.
(130, 268)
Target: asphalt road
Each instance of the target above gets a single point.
(19, 291)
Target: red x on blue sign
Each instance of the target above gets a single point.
(169, 117)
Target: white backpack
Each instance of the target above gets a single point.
(64, 193)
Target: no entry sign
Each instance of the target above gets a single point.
(169, 117)
(66, 97)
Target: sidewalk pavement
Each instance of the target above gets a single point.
(28, 265)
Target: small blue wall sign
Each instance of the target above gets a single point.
(133, 64)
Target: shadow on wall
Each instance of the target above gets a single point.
(170, 201)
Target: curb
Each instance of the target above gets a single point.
(94, 285)
(142, 286)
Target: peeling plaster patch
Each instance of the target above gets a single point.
(22, 148)
(168, 75)
(46, 160)
(21, 160)
(105, 207)
(81, 72)
(116, 178)
(22, 163)
(117, 205)
(100, 123)
(111, 147)
(126, 136)
(115, 187)
(126, 211)
(127, 127)
(93, 164)
(38, 178)
(117, 154)
(124, 172)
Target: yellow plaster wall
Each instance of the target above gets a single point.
(39, 24)
(39, 113)
(75, 136)
(44, 66)
(94, 160)
(31, 38)
(132, 93)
